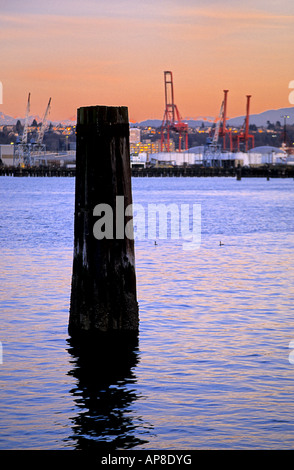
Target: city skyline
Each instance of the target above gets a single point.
(88, 53)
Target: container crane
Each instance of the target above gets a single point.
(27, 153)
(38, 149)
(220, 128)
(21, 154)
(172, 120)
(244, 135)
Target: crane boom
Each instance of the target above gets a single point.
(25, 129)
(217, 128)
(44, 124)
(244, 135)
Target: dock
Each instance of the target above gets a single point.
(266, 171)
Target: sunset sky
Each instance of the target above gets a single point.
(114, 52)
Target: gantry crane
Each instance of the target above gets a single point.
(243, 135)
(172, 120)
(22, 147)
(38, 149)
(26, 153)
(221, 128)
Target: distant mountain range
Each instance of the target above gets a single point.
(5, 119)
(260, 119)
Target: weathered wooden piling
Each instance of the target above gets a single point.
(103, 294)
(239, 173)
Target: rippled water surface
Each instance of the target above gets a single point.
(211, 369)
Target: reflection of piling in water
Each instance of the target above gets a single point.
(103, 296)
(104, 394)
(104, 376)
(268, 174)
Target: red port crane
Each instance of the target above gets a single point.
(244, 135)
(172, 120)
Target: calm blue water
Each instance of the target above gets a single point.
(211, 369)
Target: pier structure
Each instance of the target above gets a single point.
(277, 171)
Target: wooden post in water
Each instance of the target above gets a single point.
(103, 294)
